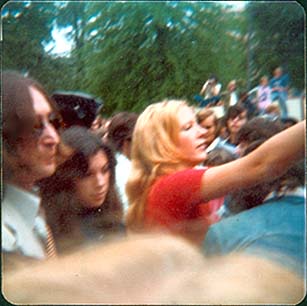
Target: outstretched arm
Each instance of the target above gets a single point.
(266, 163)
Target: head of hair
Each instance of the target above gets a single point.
(234, 111)
(273, 109)
(205, 113)
(288, 121)
(219, 156)
(222, 127)
(121, 128)
(213, 77)
(58, 192)
(264, 78)
(258, 128)
(18, 115)
(254, 133)
(154, 153)
(231, 84)
(251, 197)
(278, 69)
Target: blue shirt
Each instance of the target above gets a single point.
(23, 230)
(275, 230)
(282, 81)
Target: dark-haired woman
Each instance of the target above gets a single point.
(80, 199)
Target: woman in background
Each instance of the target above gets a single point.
(263, 94)
(80, 199)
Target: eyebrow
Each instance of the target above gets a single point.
(187, 123)
(107, 164)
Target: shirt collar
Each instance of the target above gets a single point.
(26, 203)
(298, 191)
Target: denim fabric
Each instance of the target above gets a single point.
(204, 102)
(281, 97)
(275, 230)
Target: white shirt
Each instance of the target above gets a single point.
(233, 99)
(122, 171)
(22, 227)
(212, 90)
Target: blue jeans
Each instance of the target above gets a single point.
(281, 97)
(204, 102)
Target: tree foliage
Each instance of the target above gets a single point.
(26, 27)
(134, 53)
(279, 31)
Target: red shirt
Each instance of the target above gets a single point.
(174, 203)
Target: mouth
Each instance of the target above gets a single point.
(100, 195)
(202, 146)
(50, 159)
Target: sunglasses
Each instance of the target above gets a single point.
(41, 124)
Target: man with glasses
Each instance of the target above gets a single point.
(30, 141)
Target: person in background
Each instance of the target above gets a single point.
(167, 146)
(230, 96)
(267, 220)
(222, 131)
(273, 111)
(207, 119)
(210, 92)
(279, 84)
(219, 156)
(80, 199)
(235, 117)
(249, 104)
(119, 137)
(288, 121)
(263, 94)
(216, 157)
(252, 133)
(97, 123)
(257, 129)
(30, 143)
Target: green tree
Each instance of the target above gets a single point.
(134, 53)
(278, 38)
(26, 30)
(142, 53)
(75, 14)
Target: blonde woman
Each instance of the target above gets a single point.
(166, 190)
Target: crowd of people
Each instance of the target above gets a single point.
(171, 205)
(270, 91)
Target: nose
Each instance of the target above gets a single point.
(201, 130)
(51, 135)
(236, 119)
(100, 179)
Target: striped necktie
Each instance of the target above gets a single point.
(50, 244)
